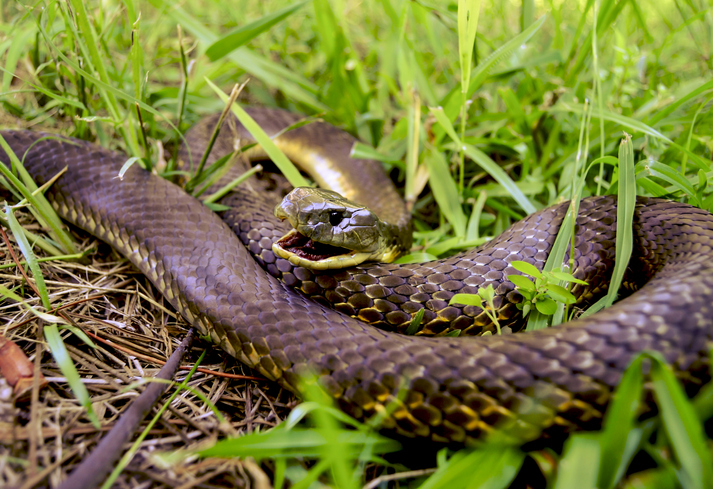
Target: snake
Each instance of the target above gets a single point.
(463, 391)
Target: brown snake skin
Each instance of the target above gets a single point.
(461, 390)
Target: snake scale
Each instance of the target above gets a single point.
(461, 390)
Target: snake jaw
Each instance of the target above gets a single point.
(302, 251)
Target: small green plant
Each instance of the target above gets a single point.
(486, 294)
(544, 293)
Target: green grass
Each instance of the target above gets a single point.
(478, 135)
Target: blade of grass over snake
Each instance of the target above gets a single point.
(232, 184)
(565, 234)
(45, 213)
(199, 173)
(624, 219)
(366, 152)
(278, 157)
(129, 163)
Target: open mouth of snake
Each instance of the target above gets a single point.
(300, 245)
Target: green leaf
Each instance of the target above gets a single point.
(521, 282)
(580, 462)
(467, 300)
(237, 37)
(559, 293)
(294, 85)
(619, 433)
(415, 323)
(477, 77)
(624, 217)
(566, 277)
(298, 442)
(546, 306)
(487, 293)
(491, 468)
(682, 426)
(526, 268)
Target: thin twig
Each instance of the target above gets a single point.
(100, 462)
(401, 475)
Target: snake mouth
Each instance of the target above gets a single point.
(297, 244)
(302, 251)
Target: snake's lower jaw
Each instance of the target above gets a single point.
(289, 248)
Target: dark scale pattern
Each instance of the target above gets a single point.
(516, 387)
(388, 296)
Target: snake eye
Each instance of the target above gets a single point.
(335, 217)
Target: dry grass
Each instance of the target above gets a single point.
(133, 331)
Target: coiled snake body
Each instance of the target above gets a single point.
(448, 389)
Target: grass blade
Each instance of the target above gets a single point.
(492, 468)
(45, 213)
(30, 257)
(485, 162)
(619, 433)
(684, 429)
(61, 356)
(278, 157)
(237, 37)
(580, 462)
(468, 13)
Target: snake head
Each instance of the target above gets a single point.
(329, 230)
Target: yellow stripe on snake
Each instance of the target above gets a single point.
(517, 386)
